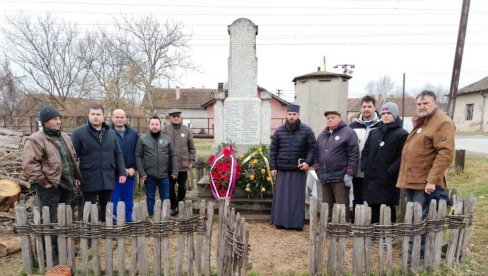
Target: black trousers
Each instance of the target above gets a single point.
(104, 196)
(358, 188)
(375, 212)
(177, 196)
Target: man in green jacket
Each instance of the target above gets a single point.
(156, 160)
(182, 138)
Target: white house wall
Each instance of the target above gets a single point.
(460, 113)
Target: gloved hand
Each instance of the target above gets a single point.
(348, 180)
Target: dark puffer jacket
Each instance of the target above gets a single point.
(287, 146)
(337, 154)
(380, 162)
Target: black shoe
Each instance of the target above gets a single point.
(279, 227)
(173, 212)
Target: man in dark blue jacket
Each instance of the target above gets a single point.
(337, 161)
(100, 158)
(128, 139)
(291, 155)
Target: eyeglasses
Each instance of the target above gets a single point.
(175, 115)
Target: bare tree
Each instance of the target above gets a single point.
(381, 88)
(114, 72)
(157, 51)
(9, 95)
(49, 53)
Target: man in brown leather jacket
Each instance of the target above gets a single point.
(49, 162)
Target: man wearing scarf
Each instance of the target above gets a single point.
(291, 155)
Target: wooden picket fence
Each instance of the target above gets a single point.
(193, 250)
(409, 233)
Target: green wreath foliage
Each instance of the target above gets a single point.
(255, 176)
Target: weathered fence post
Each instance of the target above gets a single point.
(38, 238)
(358, 251)
(133, 250)
(469, 212)
(141, 240)
(109, 221)
(459, 160)
(120, 240)
(320, 247)
(207, 241)
(313, 234)
(21, 217)
(454, 235)
(417, 238)
(70, 240)
(157, 239)
(439, 235)
(430, 234)
(189, 237)
(46, 220)
(199, 239)
(94, 241)
(181, 240)
(165, 241)
(84, 238)
(406, 237)
(62, 253)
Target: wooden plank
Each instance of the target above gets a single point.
(70, 241)
(109, 221)
(342, 241)
(165, 242)
(207, 240)
(417, 218)
(453, 236)
(430, 236)
(234, 263)
(381, 258)
(157, 239)
(6, 131)
(84, 241)
(221, 237)
(358, 248)
(97, 270)
(47, 239)
(181, 241)
(388, 240)
(245, 253)
(141, 243)
(333, 242)
(133, 249)
(199, 241)
(120, 240)
(189, 237)
(406, 238)
(21, 217)
(62, 254)
(38, 238)
(313, 234)
(469, 210)
(367, 240)
(439, 236)
(324, 217)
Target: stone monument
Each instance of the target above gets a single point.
(242, 117)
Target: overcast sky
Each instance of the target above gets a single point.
(384, 37)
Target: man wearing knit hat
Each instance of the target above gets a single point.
(49, 161)
(291, 155)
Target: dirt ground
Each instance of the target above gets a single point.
(282, 252)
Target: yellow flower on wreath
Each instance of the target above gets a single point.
(263, 171)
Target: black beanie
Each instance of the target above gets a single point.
(47, 113)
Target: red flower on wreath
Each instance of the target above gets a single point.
(223, 172)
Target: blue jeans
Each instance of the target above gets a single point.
(125, 193)
(424, 199)
(151, 183)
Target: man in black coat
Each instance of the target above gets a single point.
(291, 155)
(380, 161)
(101, 159)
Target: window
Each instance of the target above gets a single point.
(469, 112)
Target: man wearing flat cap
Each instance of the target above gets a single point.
(337, 160)
(182, 139)
(49, 161)
(291, 155)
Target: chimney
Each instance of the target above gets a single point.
(177, 92)
(220, 87)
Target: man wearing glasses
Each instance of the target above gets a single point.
(182, 138)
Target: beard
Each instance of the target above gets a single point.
(291, 124)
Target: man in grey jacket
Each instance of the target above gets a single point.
(182, 138)
(155, 159)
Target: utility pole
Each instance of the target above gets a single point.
(458, 58)
(345, 67)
